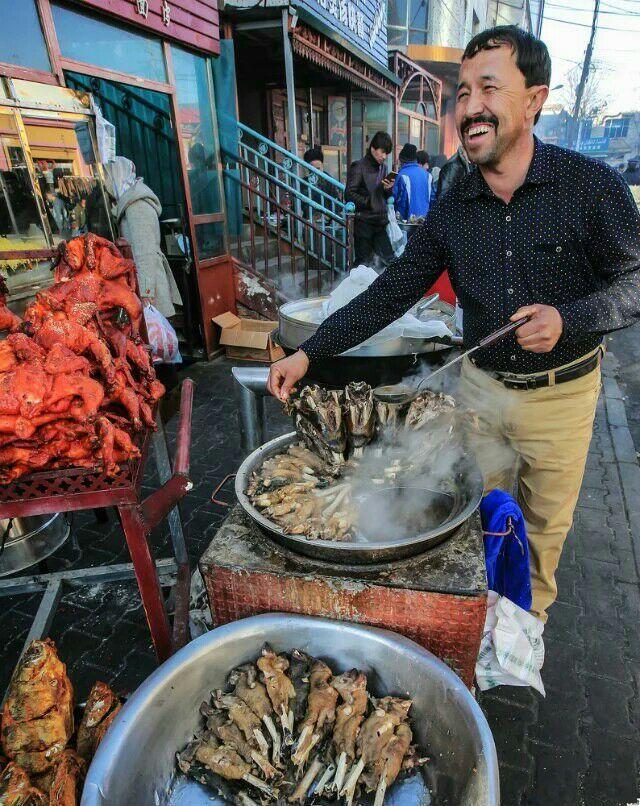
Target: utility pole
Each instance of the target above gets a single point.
(586, 66)
(540, 19)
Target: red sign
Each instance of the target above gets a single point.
(190, 22)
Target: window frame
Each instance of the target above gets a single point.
(409, 29)
(21, 115)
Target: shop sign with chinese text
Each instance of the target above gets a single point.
(363, 23)
(191, 22)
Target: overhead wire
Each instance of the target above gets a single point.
(600, 27)
(588, 11)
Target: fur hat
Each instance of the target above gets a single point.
(409, 153)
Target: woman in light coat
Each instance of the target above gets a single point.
(137, 213)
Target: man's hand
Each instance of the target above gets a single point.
(541, 333)
(388, 184)
(284, 374)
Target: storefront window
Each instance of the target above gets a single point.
(198, 128)
(20, 224)
(403, 130)
(65, 169)
(415, 135)
(373, 116)
(87, 39)
(21, 39)
(433, 138)
(210, 240)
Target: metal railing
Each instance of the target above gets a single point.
(299, 229)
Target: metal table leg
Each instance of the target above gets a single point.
(147, 577)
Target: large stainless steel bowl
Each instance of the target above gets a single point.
(135, 762)
(298, 321)
(467, 499)
(31, 539)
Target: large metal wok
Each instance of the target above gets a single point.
(135, 762)
(386, 362)
(465, 501)
(298, 321)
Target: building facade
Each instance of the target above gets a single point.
(614, 139)
(146, 64)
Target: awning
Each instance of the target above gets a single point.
(311, 44)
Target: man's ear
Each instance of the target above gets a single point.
(537, 98)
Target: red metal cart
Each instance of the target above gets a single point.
(77, 489)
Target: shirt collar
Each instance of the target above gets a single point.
(540, 172)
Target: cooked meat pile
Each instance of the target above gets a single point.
(308, 489)
(327, 739)
(76, 379)
(38, 729)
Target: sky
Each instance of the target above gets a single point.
(616, 52)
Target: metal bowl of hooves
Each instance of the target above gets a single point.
(354, 710)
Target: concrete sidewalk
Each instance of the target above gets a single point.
(580, 745)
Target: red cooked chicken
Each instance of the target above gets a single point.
(76, 379)
(8, 319)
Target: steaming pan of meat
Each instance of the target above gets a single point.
(448, 511)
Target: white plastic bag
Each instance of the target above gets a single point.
(359, 279)
(162, 337)
(512, 649)
(396, 235)
(408, 325)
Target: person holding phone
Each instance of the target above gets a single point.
(368, 187)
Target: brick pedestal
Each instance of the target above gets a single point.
(438, 599)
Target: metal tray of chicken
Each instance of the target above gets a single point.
(451, 510)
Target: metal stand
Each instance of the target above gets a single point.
(73, 490)
(251, 390)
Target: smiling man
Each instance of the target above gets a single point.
(533, 231)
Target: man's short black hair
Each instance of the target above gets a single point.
(314, 153)
(532, 56)
(381, 140)
(423, 158)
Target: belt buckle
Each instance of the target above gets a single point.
(521, 383)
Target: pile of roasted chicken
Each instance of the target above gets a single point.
(77, 384)
(289, 730)
(309, 488)
(47, 756)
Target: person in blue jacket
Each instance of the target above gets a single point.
(412, 189)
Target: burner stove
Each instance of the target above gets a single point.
(438, 598)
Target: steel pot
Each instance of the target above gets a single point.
(466, 500)
(136, 760)
(298, 321)
(29, 540)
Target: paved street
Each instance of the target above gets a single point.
(580, 745)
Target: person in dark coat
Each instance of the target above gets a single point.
(453, 171)
(632, 174)
(368, 188)
(315, 157)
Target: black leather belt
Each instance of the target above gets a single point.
(571, 373)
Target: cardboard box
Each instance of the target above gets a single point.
(248, 339)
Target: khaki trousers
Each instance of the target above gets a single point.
(538, 439)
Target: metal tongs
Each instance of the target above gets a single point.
(400, 393)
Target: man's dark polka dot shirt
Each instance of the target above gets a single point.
(569, 237)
